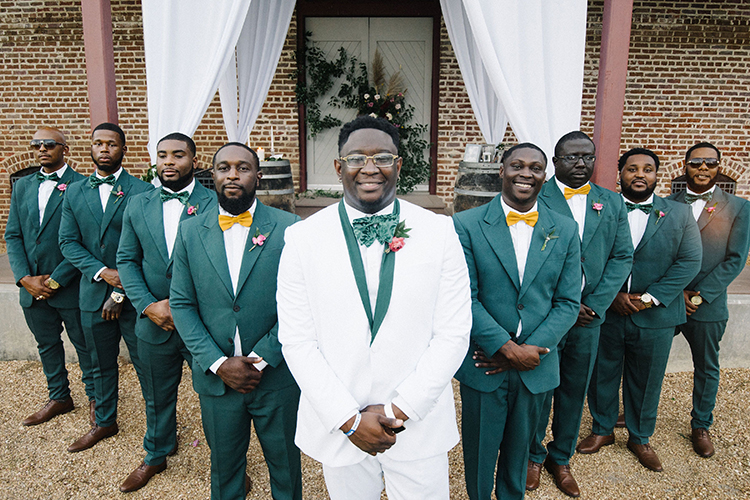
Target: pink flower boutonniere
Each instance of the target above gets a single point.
(258, 239)
(62, 187)
(598, 207)
(192, 210)
(661, 214)
(399, 238)
(710, 210)
(118, 192)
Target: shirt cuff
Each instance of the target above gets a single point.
(97, 276)
(215, 367)
(656, 301)
(259, 365)
(405, 408)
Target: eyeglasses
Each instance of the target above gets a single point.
(381, 160)
(588, 159)
(697, 162)
(47, 143)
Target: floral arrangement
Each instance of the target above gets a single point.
(399, 237)
(598, 207)
(710, 210)
(547, 238)
(118, 192)
(62, 187)
(661, 215)
(192, 210)
(258, 239)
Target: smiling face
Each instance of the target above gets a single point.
(51, 159)
(175, 164)
(107, 151)
(701, 178)
(638, 178)
(368, 189)
(523, 174)
(574, 173)
(236, 176)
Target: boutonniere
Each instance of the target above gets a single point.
(661, 214)
(118, 192)
(710, 210)
(598, 207)
(192, 210)
(62, 187)
(548, 237)
(399, 236)
(258, 239)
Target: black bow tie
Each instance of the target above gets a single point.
(95, 182)
(692, 198)
(41, 177)
(646, 208)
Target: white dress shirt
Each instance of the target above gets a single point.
(235, 239)
(46, 189)
(638, 221)
(171, 212)
(577, 205)
(699, 205)
(521, 234)
(105, 191)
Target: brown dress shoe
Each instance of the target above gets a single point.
(563, 478)
(646, 456)
(53, 408)
(702, 443)
(93, 436)
(594, 442)
(92, 412)
(533, 470)
(140, 476)
(620, 421)
(248, 484)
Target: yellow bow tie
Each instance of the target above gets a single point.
(569, 193)
(227, 221)
(529, 218)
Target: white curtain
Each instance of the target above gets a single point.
(188, 46)
(258, 50)
(532, 54)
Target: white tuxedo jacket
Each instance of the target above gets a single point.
(325, 335)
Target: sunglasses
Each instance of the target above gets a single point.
(47, 143)
(697, 162)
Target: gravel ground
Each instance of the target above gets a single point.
(35, 465)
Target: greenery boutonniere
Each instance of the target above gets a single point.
(548, 237)
(118, 192)
(399, 236)
(258, 239)
(661, 214)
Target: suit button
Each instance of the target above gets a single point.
(583, 259)
(520, 307)
(169, 276)
(38, 242)
(236, 308)
(102, 246)
(231, 340)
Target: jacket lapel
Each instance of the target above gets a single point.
(652, 226)
(544, 228)
(212, 240)
(262, 224)
(93, 201)
(496, 231)
(554, 199)
(155, 222)
(200, 198)
(55, 199)
(593, 217)
(115, 203)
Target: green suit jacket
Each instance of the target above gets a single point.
(33, 249)
(89, 238)
(606, 248)
(142, 257)
(207, 312)
(725, 234)
(547, 301)
(667, 258)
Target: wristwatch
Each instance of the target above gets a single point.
(53, 284)
(647, 300)
(117, 297)
(696, 300)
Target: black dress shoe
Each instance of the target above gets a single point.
(53, 408)
(93, 436)
(141, 476)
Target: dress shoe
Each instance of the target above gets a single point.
(533, 470)
(140, 476)
(92, 412)
(53, 408)
(248, 484)
(702, 443)
(594, 442)
(620, 421)
(563, 478)
(646, 456)
(93, 436)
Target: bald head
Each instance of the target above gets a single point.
(50, 148)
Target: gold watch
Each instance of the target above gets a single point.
(647, 300)
(52, 284)
(696, 300)
(117, 297)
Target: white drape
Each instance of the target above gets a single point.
(258, 50)
(532, 54)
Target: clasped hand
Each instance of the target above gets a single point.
(522, 357)
(375, 432)
(240, 373)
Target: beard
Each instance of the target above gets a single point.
(637, 195)
(236, 206)
(112, 168)
(177, 184)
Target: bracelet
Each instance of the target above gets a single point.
(388, 409)
(354, 425)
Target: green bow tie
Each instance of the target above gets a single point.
(166, 196)
(377, 227)
(41, 177)
(95, 182)
(646, 208)
(692, 198)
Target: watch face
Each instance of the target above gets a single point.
(696, 300)
(53, 284)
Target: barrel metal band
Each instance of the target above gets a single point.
(273, 192)
(276, 176)
(481, 194)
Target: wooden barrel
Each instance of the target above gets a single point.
(276, 187)
(476, 184)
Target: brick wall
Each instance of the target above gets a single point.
(688, 81)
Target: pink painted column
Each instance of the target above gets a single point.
(100, 61)
(610, 94)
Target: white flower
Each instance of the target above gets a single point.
(373, 115)
(377, 96)
(366, 96)
(389, 116)
(398, 106)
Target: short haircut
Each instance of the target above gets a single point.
(55, 130)
(703, 145)
(637, 151)
(523, 145)
(570, 136)
(367, 121)
(178, 136)
(241, 145)
(113, 128)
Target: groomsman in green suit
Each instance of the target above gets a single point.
(89, 235)
(144, 259)
(48, 283)
(223, 300)
(637, 334)
(724, 223)
(606, 258)
(524, 262)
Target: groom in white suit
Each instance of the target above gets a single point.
(374, 318)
